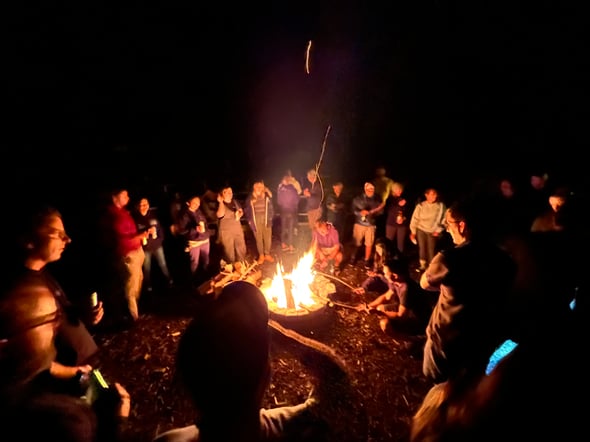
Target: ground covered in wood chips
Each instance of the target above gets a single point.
(369, 382)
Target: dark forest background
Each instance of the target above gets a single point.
(193, 94)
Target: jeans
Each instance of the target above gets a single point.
(288, 220)
(160, 258)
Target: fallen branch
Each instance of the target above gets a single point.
(312, 343)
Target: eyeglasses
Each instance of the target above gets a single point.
(49, 318)
(59, 234)
(449, 222)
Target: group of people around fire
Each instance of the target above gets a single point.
(487, 269)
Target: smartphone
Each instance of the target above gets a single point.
(97, 386)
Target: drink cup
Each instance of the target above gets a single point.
(94, 299)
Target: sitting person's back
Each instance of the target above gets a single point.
(223, 361)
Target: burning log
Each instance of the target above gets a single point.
(289, 294)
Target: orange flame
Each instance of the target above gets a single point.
(300, 279)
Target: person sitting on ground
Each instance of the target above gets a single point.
(405, 306)
(223, 360)
(384, 250)
(32, 404)
(326, 247)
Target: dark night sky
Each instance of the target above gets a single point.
(424, 87)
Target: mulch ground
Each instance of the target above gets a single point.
(369, 394)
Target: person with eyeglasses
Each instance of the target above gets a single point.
(41, 240)
(474, 280)
(32, 404)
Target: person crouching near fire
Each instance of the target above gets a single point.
(326, 247)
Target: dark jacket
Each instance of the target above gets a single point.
(287, 198)
(188, 222)
(143, 223)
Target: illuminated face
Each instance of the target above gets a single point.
(506, 188)
(389, 274)
(556, 202)
(311, 176)
(144, 206)
(194, 203)
(396, 190)
(121, 199)
(455, 228)
(258, 189)
(227, 194)
(431, 196)
(51, 240)
(537, 182)
(322, 228)
(369, 190)
(379, 250)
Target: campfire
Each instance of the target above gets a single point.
(299, 292)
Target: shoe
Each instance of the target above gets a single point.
(269, 258)
(367, 265)
(260, 260)
(291, 249)
(284, 247)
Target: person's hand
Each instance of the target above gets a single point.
(359, 291)
(60, 371)
(97, 313)
(362, 307)
(124, 406)
(219, 198)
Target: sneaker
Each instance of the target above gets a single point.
(291, 249)
(367, 265)
(260, 260)
(269, 258)
(284, 247)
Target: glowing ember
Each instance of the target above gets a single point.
(293, 290)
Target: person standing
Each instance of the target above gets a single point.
(474, 280)
(231, 234)
(126, 245)
(397, 218)
(153, 246)
(288, 204)
(259, 212)
(192, 226)
(383, 186)
(336, 209)
(426, 226)
(314, 193)
(365, 208)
